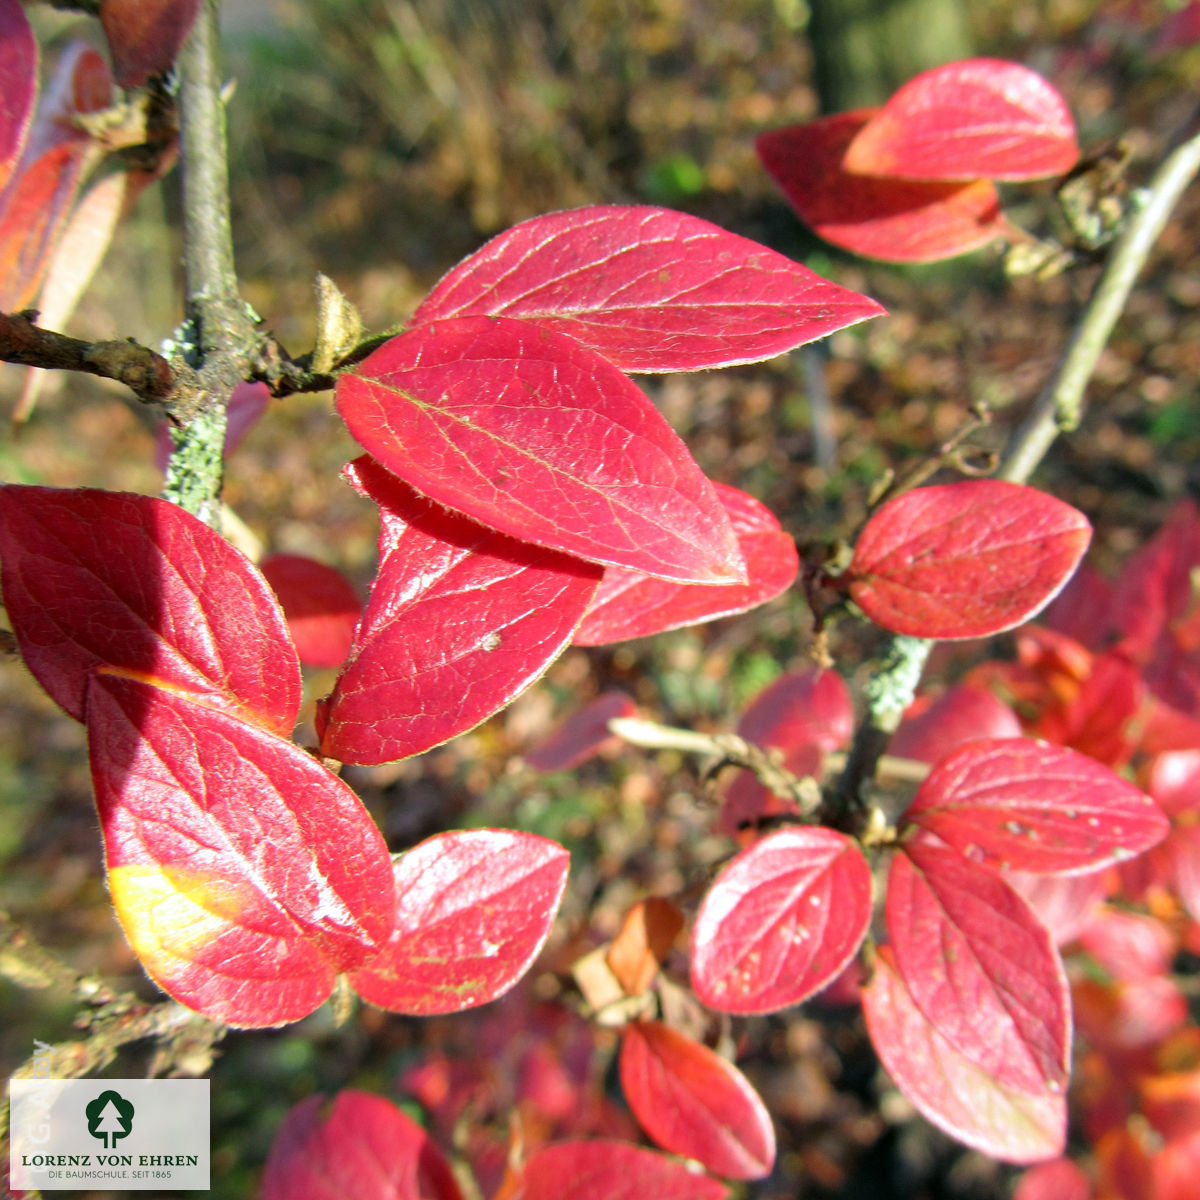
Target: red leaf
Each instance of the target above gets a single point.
(18, 83)
(799, 709)
(145, 36)
(629, 605)
(1063, 903)
(694, 1103)
(980, 967)
(961, 714)
(35, 204)
(781, 920)
(1128, 946)
(1018, 804)
(890, 219)
(78, 252)
(602, 1170)
(978, 119)
(1155, 589)
(136, 585)
(648, 288)
(1175, 782)
(1060, 1179)
(969, 1103)
(530, 433)
(966, 559)
(357, 1145)
(460, 620)
(473, 910)
(320, 605)
(582, 734)
(246, 875)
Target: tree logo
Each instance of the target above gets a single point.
(109, 1117)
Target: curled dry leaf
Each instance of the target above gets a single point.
(695, 1103)
(965, 560)
(950, 1089)
(648, 288)
(630, 605)
(246, 876)
(982, 118)
(781, 921)
(532, 434)
(895, 220)
(472, 912)
(460, 620)
(644, 941)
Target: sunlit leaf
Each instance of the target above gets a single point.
(965, 560)
(891, 219)
(980, 967)
(246, 876)
(648, 288)
(460, 620)
(532, 434)
(630, 605)
(134, 584)
(695, 1103)
(1019, 804)
(968, 1102)
(781, 921)
(978, 119)
(473, 910)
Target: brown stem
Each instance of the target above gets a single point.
(148, 375)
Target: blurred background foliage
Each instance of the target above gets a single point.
(379, 141)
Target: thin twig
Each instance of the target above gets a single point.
(728, 747)
(147, 374)
(1059, 407)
